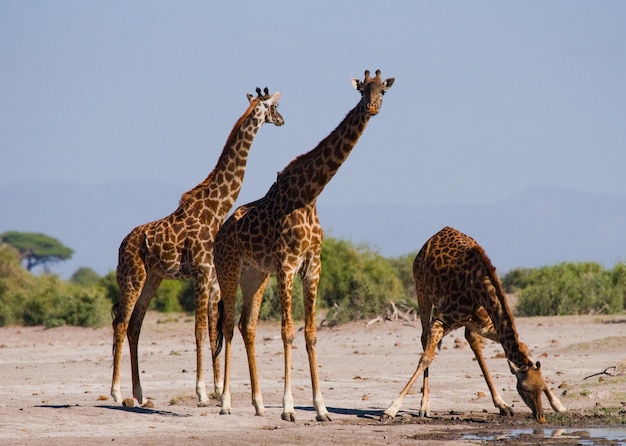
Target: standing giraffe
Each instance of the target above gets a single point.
(181, 245)
(457, 286)
(281, 234)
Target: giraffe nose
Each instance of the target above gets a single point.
(372, 108)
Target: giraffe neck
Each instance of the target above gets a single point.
(222, 186)
(503, 321)
(306, 176)
(515, 351)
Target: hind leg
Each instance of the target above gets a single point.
(213, 316)
(134, 330)
(130, 289)
(253, 284)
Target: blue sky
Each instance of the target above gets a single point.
(490, 97)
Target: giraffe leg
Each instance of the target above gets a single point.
(214, 298)
(498, 402)
(425, 311)
(285, 283)
(202, 291)
(130, 288)
(435, 335)
(425, 403)
(310, 283)
(554, 401)
(134, 329)
(253, 284)
(228, 282)
(120, 328)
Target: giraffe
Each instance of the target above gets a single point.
(457, 286)
(281, 234)
(181, 245)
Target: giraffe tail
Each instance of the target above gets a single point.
(220, 331)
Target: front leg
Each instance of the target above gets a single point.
(425, 403)
(309, 283)
(498, 402)
(436, 333)
(201, 290)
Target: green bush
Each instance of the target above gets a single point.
(572, 288)
(516, 279)
(270, 305)
(53, 303)
(85, 276)
(166, 298)
(357, 282)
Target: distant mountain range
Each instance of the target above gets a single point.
(540, 226)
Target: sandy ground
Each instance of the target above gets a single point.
(55, 384)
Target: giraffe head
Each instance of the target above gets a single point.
(530, 386)
(271, 104)
(372, 90)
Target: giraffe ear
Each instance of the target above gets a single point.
(356, 83)
(250, 97)
(388, 83)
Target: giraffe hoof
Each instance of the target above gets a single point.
(288, 416)
(424, 414)
(206, 403)
(323, 418)
(225, 412)
(506, 411)
(386, 418)
(148, 405)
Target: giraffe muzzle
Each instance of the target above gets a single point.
(372, 109)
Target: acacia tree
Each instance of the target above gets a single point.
(36, 249)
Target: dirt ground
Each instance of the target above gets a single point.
(54, 386)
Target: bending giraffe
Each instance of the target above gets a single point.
(181, 245)
(457, 286)
(281, 234)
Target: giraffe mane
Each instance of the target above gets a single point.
(508, 314)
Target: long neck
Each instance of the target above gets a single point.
(503, 321)
(223, 184)
(306, 176)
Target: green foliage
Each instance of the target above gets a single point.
(85, 276)
(186, 297)
(46, 300)
(36, 249)
(404, 269)
(516, 279)
(53, 304)
(166, 298)
(110, 287)
(572, 288)
(13, 281)
(270, 305)
(357, 282)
